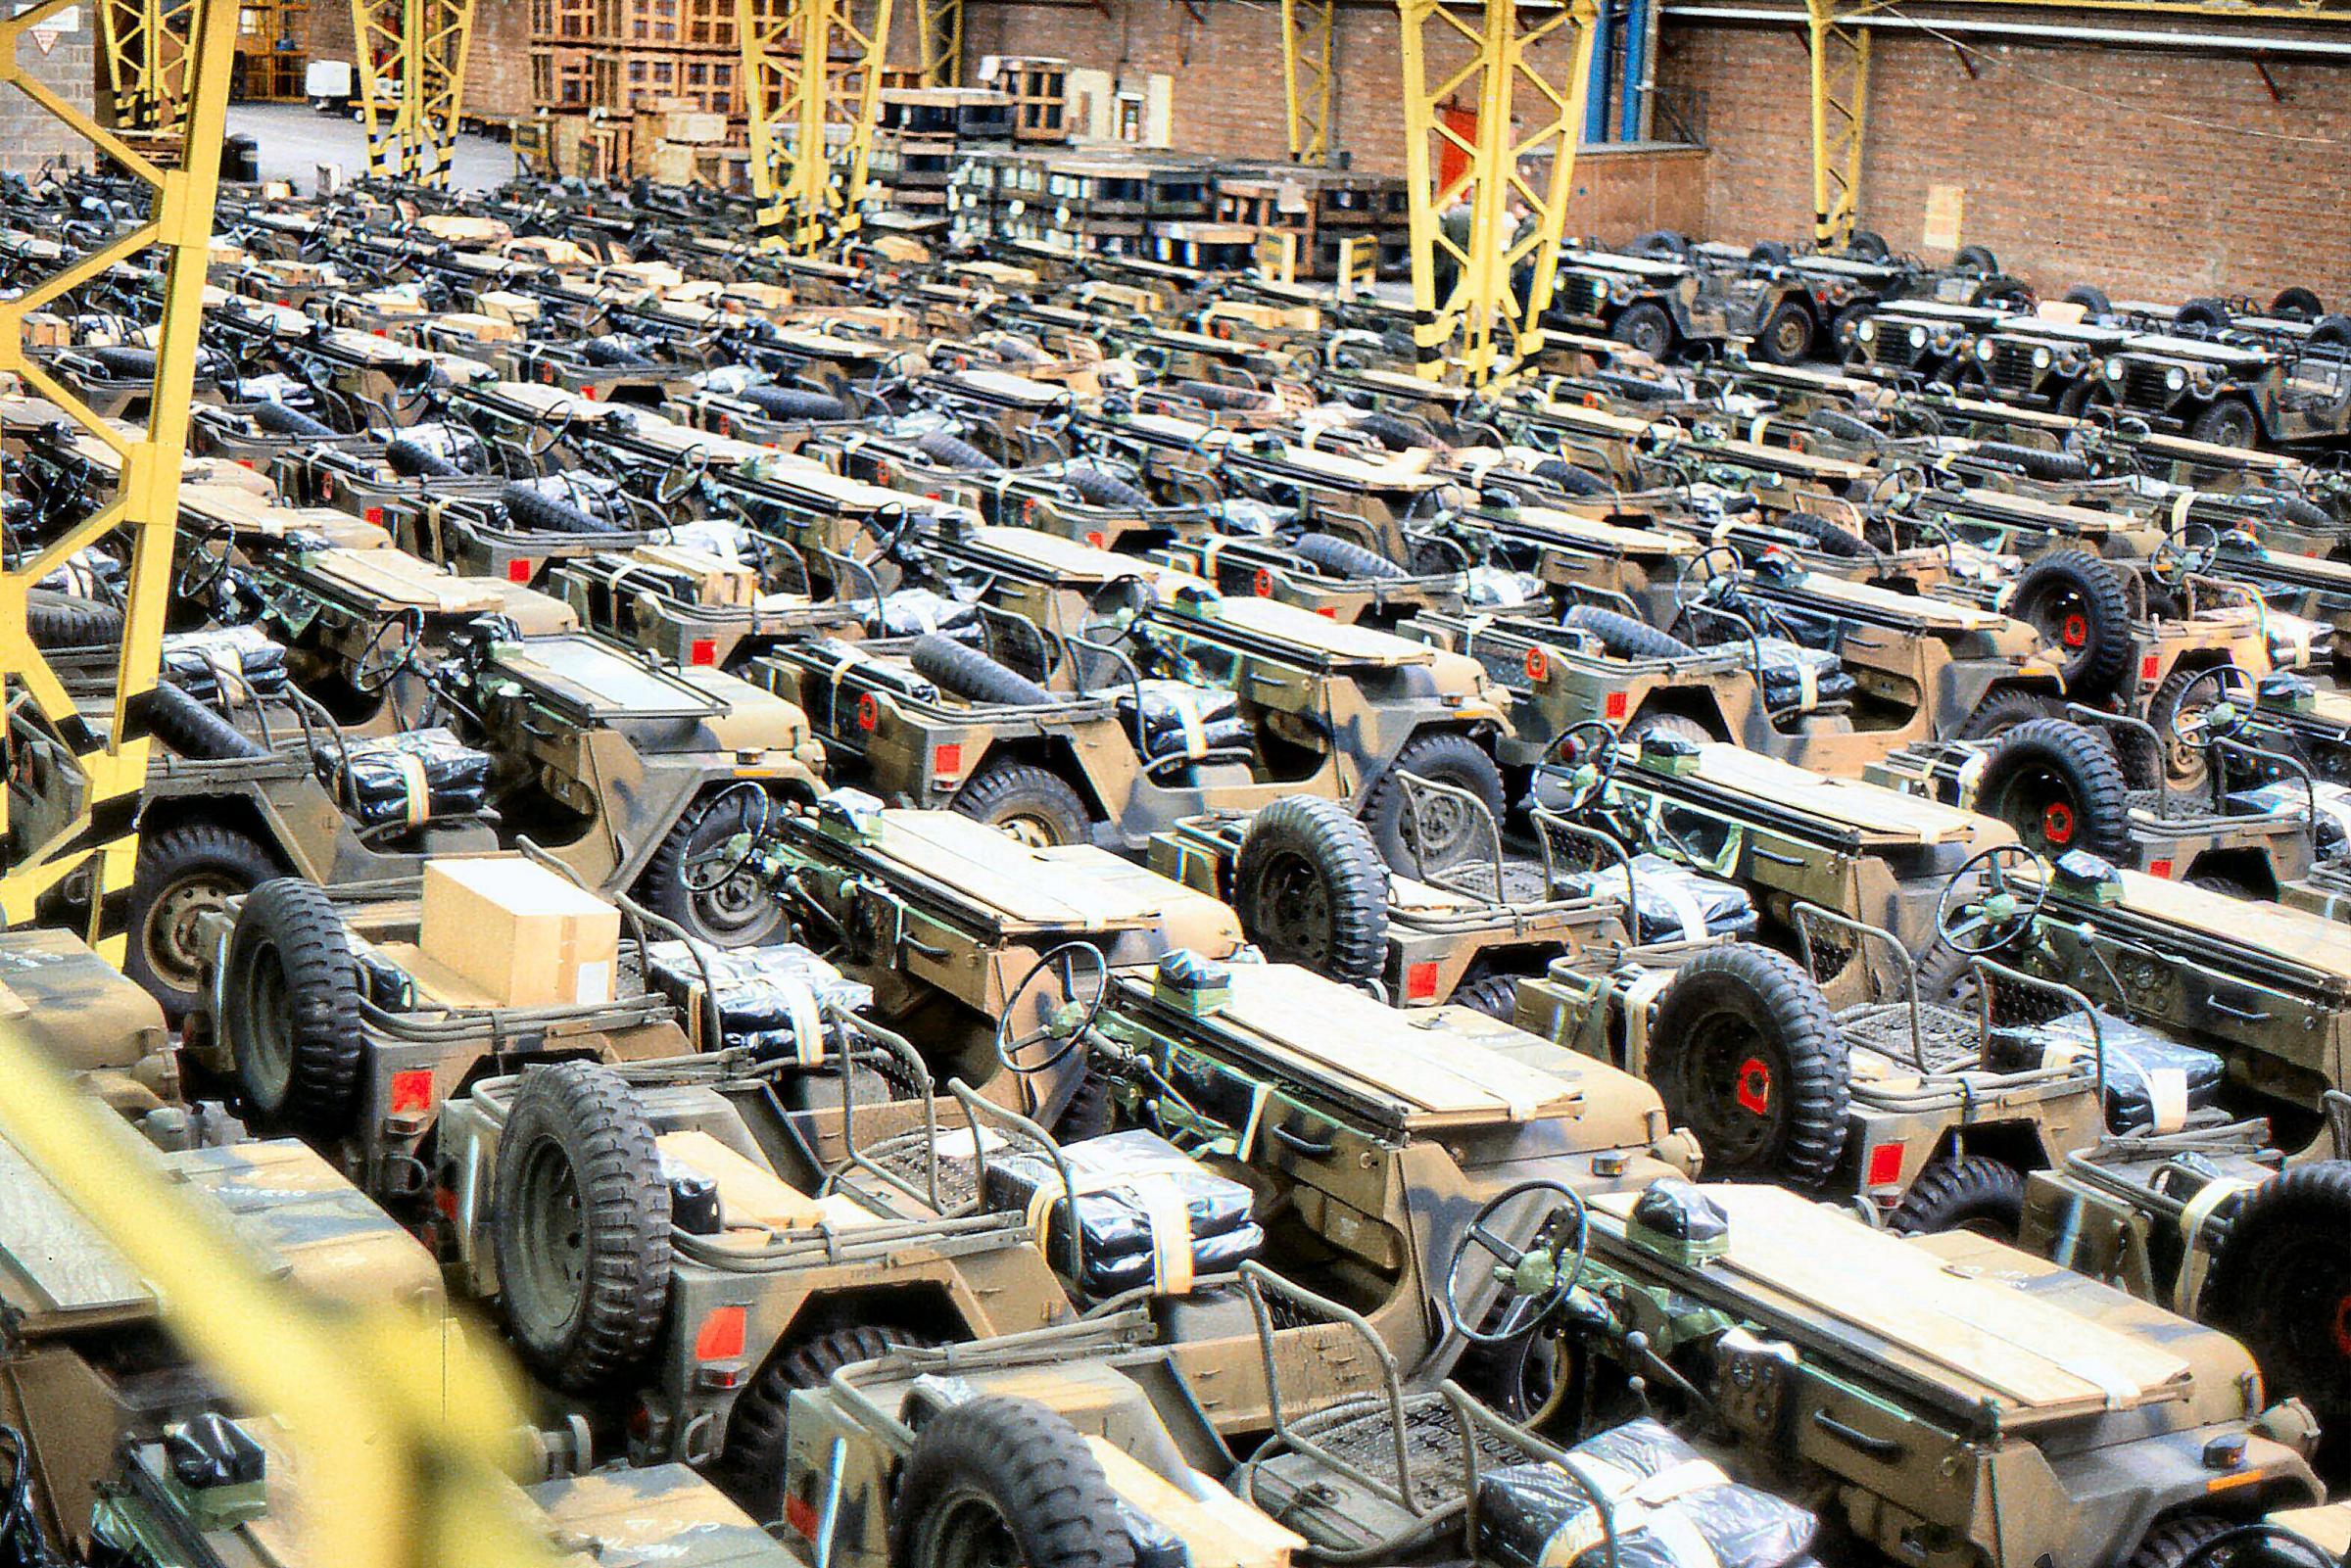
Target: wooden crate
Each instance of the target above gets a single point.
(562, 77)
(640, 25)
(709, 24)
(626, 77)
(563, 22)
(1041, 98)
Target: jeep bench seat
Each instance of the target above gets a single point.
(1876, 816)
(1976, 1342)
(752, 1200)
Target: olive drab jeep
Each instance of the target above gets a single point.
(2252, 390)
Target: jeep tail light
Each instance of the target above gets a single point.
(703, 651)
(376, 516)
(801, 1515)
(1421, 982)
(1884, 1165)
(947, 758)
(518, 570)
(1614, 711)
(2148, 668)
(2160, 868)
(720, 1338)
(411, 1090)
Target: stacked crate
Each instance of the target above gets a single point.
(563, 50)
(644, 64)
(920, 136)
(1318, 209)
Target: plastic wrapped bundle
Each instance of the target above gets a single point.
(912, 611)
(1147, 1213)
(1186, 723)
(1801, 679)
(244, 658)
(416, 778)
(1667, 1506)
(2153, 1082)
(1675, 903)
(772, 1001)
(1500, 587)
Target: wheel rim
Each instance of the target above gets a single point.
(740, 905)
(1734, 1090)
(1649, 337)
(1793, 336)
(2184, 762)
(2042, 807)
(1437, 828)
(268, 1034)
(1029, 829)
(969, 1530)
(169, 940)
(546, 1279)
(2062, 616)
(1294, 907)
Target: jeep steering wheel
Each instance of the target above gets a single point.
(1064, 1025)
(1538, 1276)
(1705, 577)
(2196, 721)
(1986, 923)
(2187, 551)
(711, 868)
(1587, 753)
(381, 661)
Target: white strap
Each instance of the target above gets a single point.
(415, 790)
(1639, 998)
(807, 1020)
(1971, 778)
(2195, 1259)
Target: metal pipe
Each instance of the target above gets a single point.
(2126, 37)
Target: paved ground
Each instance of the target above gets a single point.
(292, 141)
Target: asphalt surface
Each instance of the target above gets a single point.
(293, 141)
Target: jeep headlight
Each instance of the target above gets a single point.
(1867, 331)
(1918, 337)
(2114, 368)
(2175, 379)
(2042, 358)
(1985, 349)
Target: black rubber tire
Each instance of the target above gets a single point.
(1829, 539)
(1216, 395)
(1091, 1110)
(577, 1128)
(613, 352)
(1843, 327)
(1443, 757)
(192, 730)
(2202, 315)
(2004, 711)
(2295, 302)
(1663, 244)
(2056, 467)
(1345, 558)
(2060, 786)
(1006, 793)
(1786, 337)
(59, 620)
(1392, 432)
(2189, 773)
(1494, 995)
(1963, 1192)
(1662, 721)
(2298, 509)
(2172, 1540)
(1868, 244)
(971, 675)
(2330, 332)
(953, 452)
(1020, 1462)
(1309, 887)
(2213, 882)
(2280, 1283)
(280, 421)
(1573, 481)
(2094, 637)
(410, 461)
(1638, 388)
(737, 912)
(1768, 252)
(2226, 422)
(1625, 637)
(1646, 325)
(1977, 259)
(536, 514)
(750, 1466)
(290, 972)
(186, 857)
(1098, 487)
(794, 402)
(126, 361)
(2092, 299)
(1840, 426)
(1748, 998)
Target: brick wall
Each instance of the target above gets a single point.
(30, 136)
(497, 72)
(2151, 173)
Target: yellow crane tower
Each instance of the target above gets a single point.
(412, 69)
(811, 128)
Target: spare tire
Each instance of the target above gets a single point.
(2330, 332)
(2294, 509)
(750, 1466)
(184, 873)
(1664, 244)
(794, 402)
(410, 460)
(1745, 1054)
(580, 1226)
(2060, 786)
(1216, 395)
(1344, 557)
(953, 452)
(1098, 487)
(2093, 300)
(1625, 637)
(1826, 536)
(1869, 245)
(2057, 468)
(1010, 1477)
(1963, 1192)
(290, 1007)
(1494, 995)
(2202, 315)
(1977, 259)
(1768, 252)
(2280, 1283)
(613, 352)
(193, 731)
(1393, 433)
(1444, 757)
(538, 513)
(1310, 888)
(125, 362)
(971, 675)
(1566, 476)
(2295, 302)
(58, 620)
(2077, 603)
(281, 421)
(1841, 426)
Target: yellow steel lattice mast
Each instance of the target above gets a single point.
(411, 65)
(939, 25)
(808, 182)
(146, 49)
(1306, 79)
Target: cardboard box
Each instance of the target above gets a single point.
(694, 128)
(521, 934)
(716, 580)
(673, 163)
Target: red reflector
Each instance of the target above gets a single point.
(1421, 980)
(2148, 667)
(518, 570)
(800, 1515)
(1262, 584)
(588, 391)
(703, 651)
(1537, 665)
(375, 515)
(381, 333)
(445, 1201)
(1884, 1165)
(721, 1335)
(412, 1090)
(1328, 611)
(1615, 709)
(244, 462)
(869, 712)
(947, 757)
(1094, 537)
(2160, 868)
